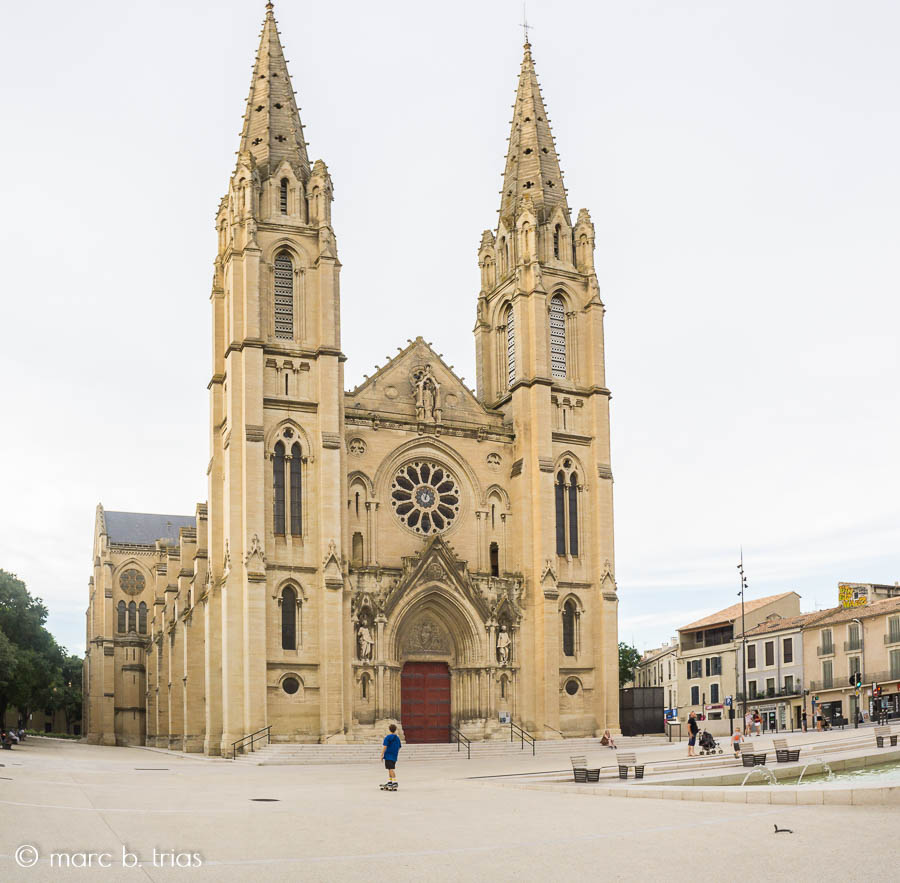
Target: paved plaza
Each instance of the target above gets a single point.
(451, 820)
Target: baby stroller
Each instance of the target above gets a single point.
(708, 745)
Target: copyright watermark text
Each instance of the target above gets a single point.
(27, 856)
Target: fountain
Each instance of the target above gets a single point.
(767, 773)
(830, 773)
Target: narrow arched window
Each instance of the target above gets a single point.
(132, 617)
(568, 628)
(288, 619)
(560, 491)
(120, 619)
(356, 552)
(142, 618)
(278, 488)
(573, 515)
(284, 297)
(296, 491)
(495, 559)
(557, 336)
(283, 196)
(504, 256)
(556, 231)
(364, 686)
(510, 346)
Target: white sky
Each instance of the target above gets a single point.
(740, 163)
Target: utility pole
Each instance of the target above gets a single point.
(740, 568)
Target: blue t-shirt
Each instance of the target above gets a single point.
(391, 746)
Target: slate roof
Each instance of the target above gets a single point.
(143, 528)
(729, 614)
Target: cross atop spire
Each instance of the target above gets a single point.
(525, 26)
(272, 131)
(532, 165)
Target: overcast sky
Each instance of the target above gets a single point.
(740, 164)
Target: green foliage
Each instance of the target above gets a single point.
(35, 672)
(629, 657)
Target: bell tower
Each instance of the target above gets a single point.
(276, 412)
(540, 360)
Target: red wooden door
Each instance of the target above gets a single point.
(425, 701)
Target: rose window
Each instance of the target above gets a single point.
(425, 497)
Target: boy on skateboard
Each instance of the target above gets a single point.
(389, 750)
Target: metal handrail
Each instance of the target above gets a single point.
(561, 733)
(456, 735)
(240, 743)
(524, 735)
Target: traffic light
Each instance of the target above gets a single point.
(852, 680)
(858, 679)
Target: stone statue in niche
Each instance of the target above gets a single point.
(428, 395)
(503, 645)
(365, 641)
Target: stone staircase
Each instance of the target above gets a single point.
(291, 753)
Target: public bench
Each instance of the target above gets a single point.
(581, 772)
(882, 734)
(783, 754)
(750, 756)
(629, 760)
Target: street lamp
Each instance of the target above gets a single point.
(740, 568)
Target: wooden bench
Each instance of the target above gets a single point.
(581, 772)
(882, 734)
(783, 754)
(629, 760)
(751, 757)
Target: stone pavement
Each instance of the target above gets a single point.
(332, 823)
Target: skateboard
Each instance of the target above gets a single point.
(389, 786)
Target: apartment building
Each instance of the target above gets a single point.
(659, 668)
(847, 640)
(774, 670)
(707, 659)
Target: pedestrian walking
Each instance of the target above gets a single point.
(748, 723)
(390, 748)
(693, 729)
(757, 722)
(736, 740)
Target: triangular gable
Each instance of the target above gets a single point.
(396, 389)
(437, 562)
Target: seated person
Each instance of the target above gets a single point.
(736, 740)
(607, 739)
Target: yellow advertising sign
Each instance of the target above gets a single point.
(848, 596)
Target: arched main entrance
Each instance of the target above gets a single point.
(425, 701)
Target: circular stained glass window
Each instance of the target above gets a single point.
(425, 496)
(290, 686)
(571, 687)
(132, 582)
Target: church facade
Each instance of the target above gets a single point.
(411, 550)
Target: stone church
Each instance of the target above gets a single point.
(410, 550)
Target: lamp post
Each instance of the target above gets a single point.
(862, 647)
(740, 568)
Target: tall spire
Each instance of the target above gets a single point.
(272, 130)
(532, 166)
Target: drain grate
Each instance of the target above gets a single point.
(265, 799)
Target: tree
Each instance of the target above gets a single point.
(31, 661)
(69, 698)
(629, 657)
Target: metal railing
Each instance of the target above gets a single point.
(555, 730)
(457, 736)
(827, 650)
(852, 645)
(515, 731)
(251, 739)
(892, 638)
